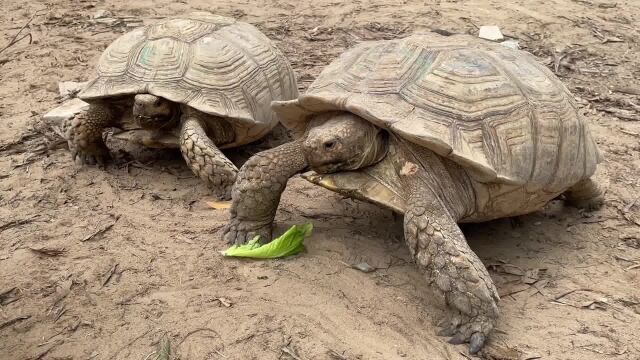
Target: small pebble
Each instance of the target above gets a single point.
(511, 44)
(364, 267)
(100, 14)
(492, 33)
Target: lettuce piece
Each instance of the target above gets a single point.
(289, 243)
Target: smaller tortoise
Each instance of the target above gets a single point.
(199, 82)
(444, 130)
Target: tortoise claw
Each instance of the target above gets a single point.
(222, 192)
(230, 235)
(462, 331)
(476, 342)
(98, 156)
(448, 331)
(240, 232)
(457, 339)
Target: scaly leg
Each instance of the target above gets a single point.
(84, 134)
(441, 251)
(256, 193)
(586, 194)
(204, 158)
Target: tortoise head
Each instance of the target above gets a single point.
(341, 141)
(152, 112)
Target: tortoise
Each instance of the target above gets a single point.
(443, 130)
(200, 82)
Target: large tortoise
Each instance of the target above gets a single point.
(443, 130)
(202, 82)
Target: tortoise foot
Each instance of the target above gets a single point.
(240, 232)
(462, 329)
(84, 137)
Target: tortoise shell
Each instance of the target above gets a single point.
(494, 110)
(211, 63)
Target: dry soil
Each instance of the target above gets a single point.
(117, 263)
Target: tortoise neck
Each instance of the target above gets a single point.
(174, 118)
(220, 130)
(217, 128)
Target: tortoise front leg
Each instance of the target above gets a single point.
(84, 134)
(203, 156)
(256, 193)
(441, 251)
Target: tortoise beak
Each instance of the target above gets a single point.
(322, 153)
(152, 122)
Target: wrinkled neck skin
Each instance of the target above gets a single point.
(155, 113)
(341, 141)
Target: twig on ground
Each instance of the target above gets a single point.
(556, 298)
(100, 231)
(16, 38)
(14, 320)
(195, 332)
(110, 274)
(14, 223)
(129, 344)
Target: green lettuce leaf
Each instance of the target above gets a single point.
(289, 243)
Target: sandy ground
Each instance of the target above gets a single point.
(152, 274)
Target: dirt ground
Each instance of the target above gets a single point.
(115, 264)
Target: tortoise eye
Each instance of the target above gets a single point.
(157, 102)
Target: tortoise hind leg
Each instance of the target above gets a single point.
(203, 156)
(586, 194)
